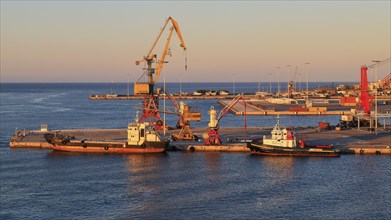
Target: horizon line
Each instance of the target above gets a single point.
(184, 82)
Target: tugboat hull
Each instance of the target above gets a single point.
(282, 142)
(264, 150)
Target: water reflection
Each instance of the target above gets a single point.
(279, 169)
(145, 176)
(213, 162)
(51, 154)
(144, 167)
(277, 176)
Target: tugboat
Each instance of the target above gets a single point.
(282, 142)
(141, 139)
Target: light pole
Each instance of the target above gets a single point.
(289, 73)
(375, 85)
(306, 76)
(270, 76)
(128, 85)
(299, 82)
(180, 84)
(278, 84)
(164, 100)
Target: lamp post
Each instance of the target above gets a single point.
(164, 100)
(299, 82)
(375, 85)
(270, 76)
(278, 79)
(128, 85)
(289, 73)
(180, 84)
(306, 76)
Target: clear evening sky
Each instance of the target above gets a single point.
(99, 41)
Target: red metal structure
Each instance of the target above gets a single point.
(213, 137)
(364, 97)
(150, 112)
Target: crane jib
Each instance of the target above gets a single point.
(160, 62)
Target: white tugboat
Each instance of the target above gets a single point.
(282, 142)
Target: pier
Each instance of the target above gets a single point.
(139, 97)
(263, 108)
(260, 107)
(348, 141)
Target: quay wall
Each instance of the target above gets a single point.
(349, 141)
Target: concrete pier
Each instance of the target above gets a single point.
(263, 108)
(349, 141)
(138, 97)
(379, 150)
(218, 148)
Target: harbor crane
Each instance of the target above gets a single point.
(354, 121)
(363, 102)
(150, 109)
(213, 137)
(364, 96)
(148, 88)
(364, 99)
(185, 116)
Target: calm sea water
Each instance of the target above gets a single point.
(41, 184)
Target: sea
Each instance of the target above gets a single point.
(42, 184)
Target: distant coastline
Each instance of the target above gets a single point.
(342, 82)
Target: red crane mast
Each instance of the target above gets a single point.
(364, 96)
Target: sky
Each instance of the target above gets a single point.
(241, 41)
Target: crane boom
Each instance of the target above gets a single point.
(229, 106)
(364, 97)
(379, 63)
(179, 33)
(177, 29)
(159, 65)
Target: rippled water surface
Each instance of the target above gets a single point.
(41, 184)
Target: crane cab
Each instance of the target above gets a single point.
(142, 88)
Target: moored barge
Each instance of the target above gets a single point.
(141, 139)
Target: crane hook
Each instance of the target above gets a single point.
(185, 60)
(169, 52)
